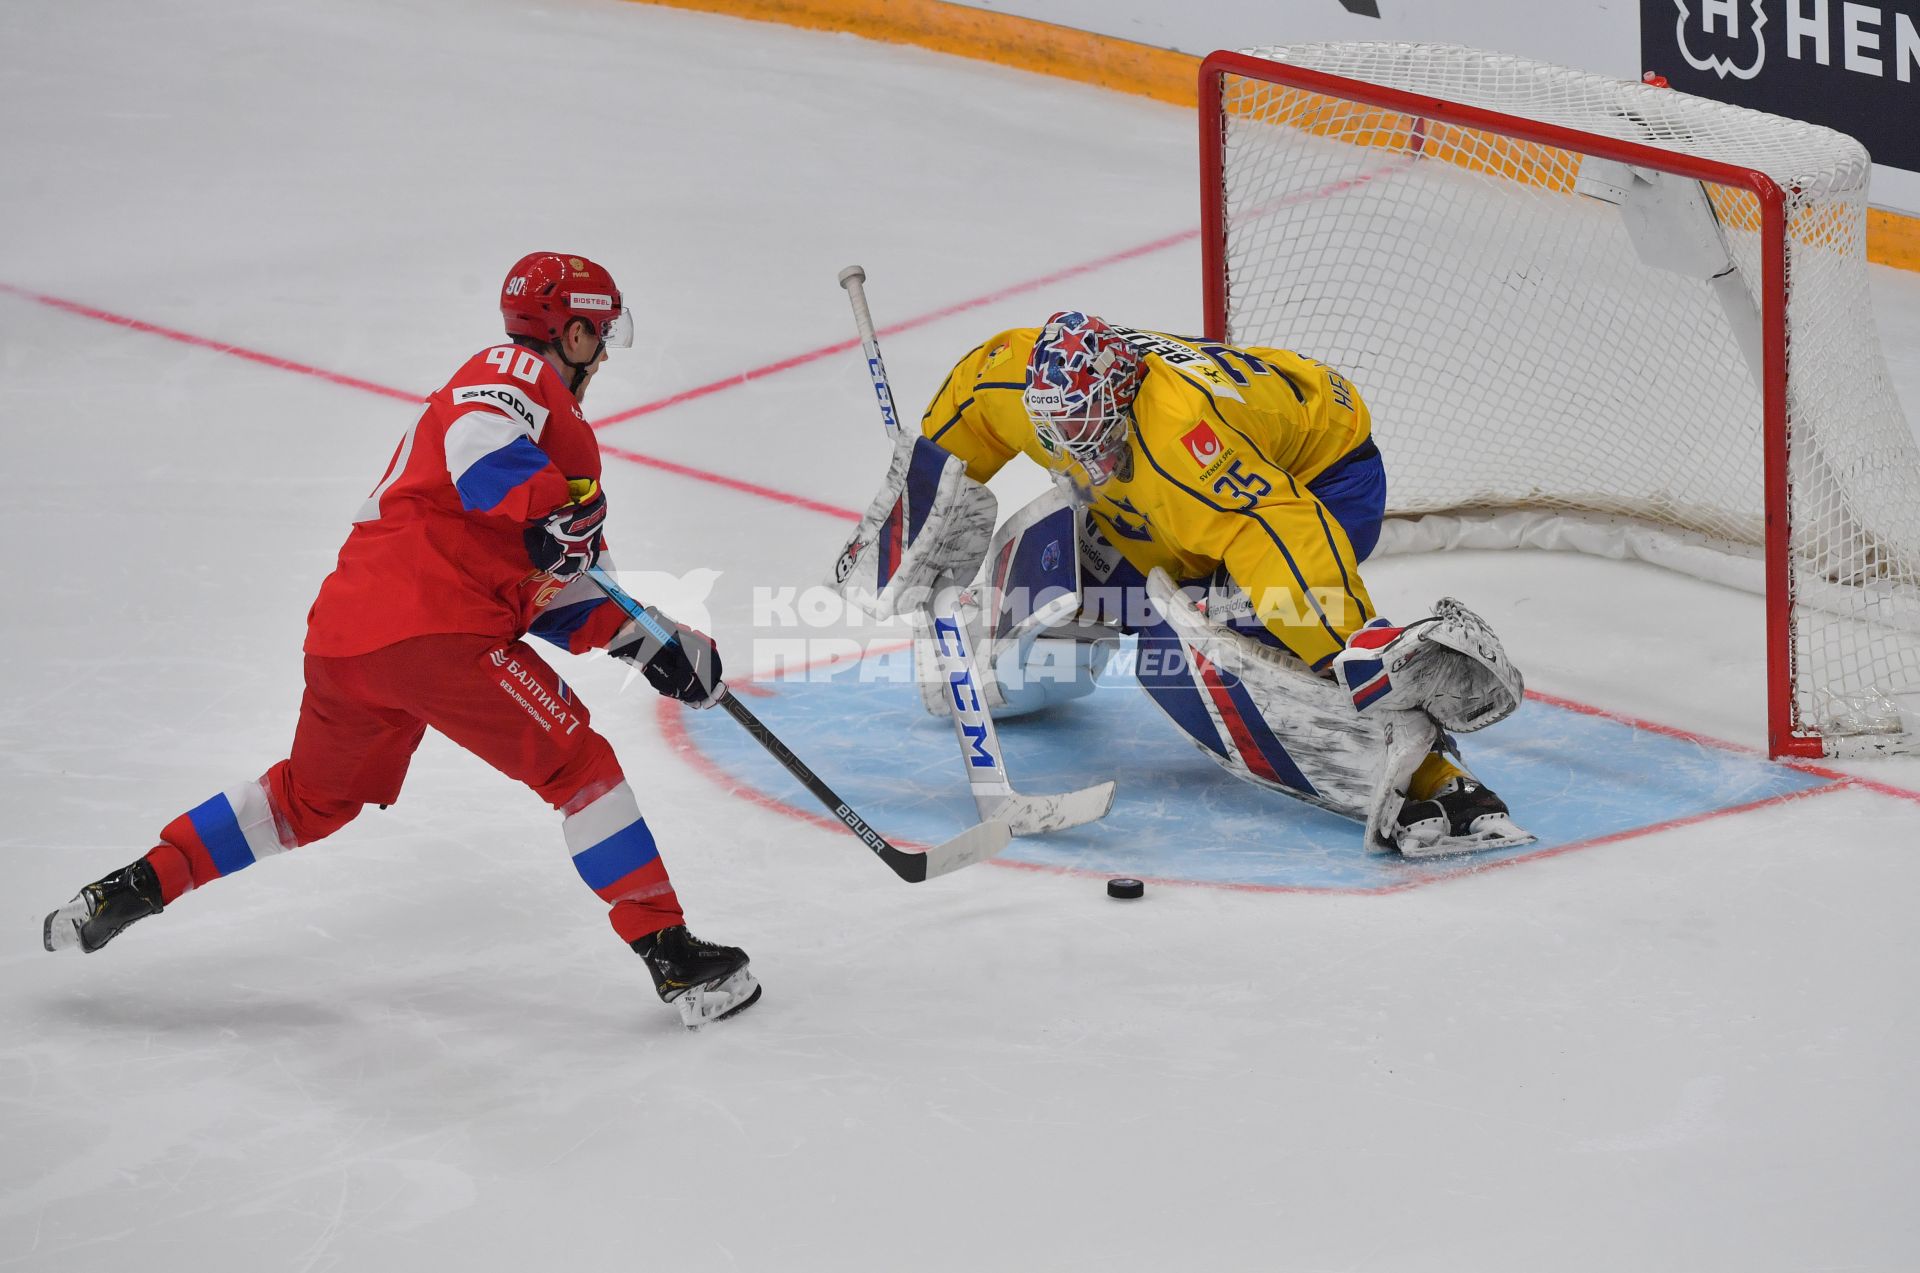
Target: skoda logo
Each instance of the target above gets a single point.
(1711, 39)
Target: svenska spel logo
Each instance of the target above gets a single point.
(1202, 443)
(1711, 39)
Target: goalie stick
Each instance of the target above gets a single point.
(976, 844)
(993, 792)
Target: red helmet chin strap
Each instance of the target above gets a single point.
(580, 370)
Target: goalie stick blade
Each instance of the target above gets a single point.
(977, 843)
(1036, 815)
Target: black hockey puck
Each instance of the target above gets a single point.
(1125, 888)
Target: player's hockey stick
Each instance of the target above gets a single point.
(976, 844)
(993, 792)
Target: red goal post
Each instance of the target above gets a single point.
(1513, 259)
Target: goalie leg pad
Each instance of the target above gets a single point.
(1257, 710)
(1270, 721)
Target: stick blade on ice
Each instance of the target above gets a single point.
(1035, 815)
(977, 843)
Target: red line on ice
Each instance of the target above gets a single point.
(202, 342)
(731, 483)
(933, 316)
(793, 500)
(385, 391)
(978, 302)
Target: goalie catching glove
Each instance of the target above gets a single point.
(687, 668)
(1449, 665)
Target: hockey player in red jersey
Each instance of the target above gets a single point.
(477, 536)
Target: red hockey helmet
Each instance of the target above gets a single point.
(544, 291)
(1082, 379)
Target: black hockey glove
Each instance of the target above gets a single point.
(687, 669)
(570, 539)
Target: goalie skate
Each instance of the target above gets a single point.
(1462, 817)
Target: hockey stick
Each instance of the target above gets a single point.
(976, 844)
(993, 792)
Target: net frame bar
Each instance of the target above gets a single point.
(1785, 735)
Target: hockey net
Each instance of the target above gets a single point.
(1597, 315)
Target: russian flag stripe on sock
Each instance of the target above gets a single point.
(236, 828)
(610, 842)
(250, 806)
(613, 859)
(220, 832)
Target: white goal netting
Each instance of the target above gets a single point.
(1564, 347)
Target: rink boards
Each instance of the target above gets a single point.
(1575, 778)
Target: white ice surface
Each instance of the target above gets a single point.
(417, 1045)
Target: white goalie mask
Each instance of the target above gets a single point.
(1082, 379)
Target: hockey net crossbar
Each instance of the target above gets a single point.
(1593, 315)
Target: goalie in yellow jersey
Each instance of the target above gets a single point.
(1219, 502)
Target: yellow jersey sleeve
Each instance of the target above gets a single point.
(979, 412)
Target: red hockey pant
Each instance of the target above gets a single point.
(360, 721)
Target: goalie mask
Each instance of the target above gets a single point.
(1081, 382)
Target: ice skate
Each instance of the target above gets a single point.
(1461, 817)
(97, 914)
(706, 981)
